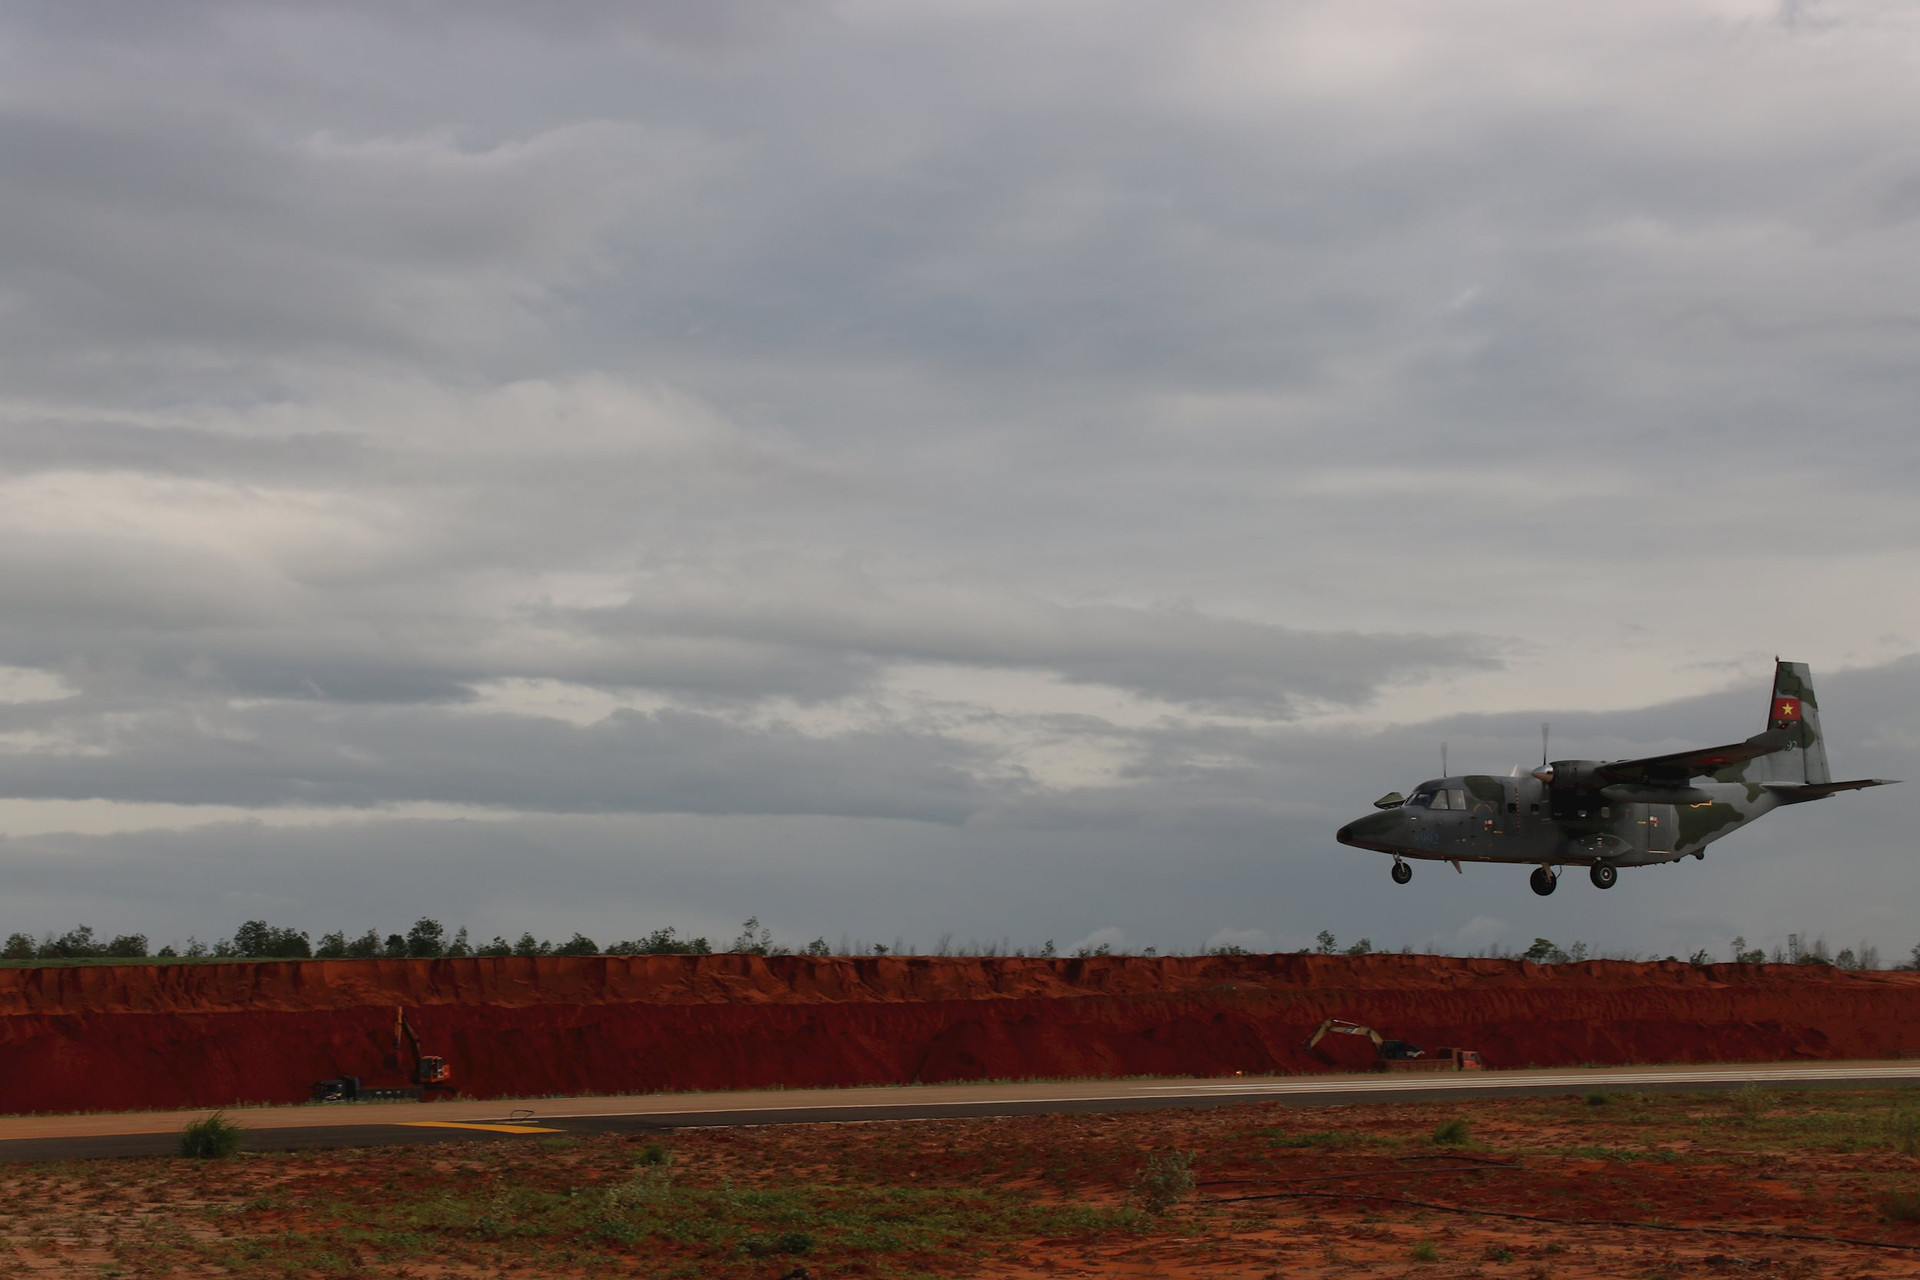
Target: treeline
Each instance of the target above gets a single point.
(428, 940)
(257, 940)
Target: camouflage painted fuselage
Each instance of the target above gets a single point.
(1521, 819)
(1620, 813)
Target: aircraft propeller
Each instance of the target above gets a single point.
(1545, 772)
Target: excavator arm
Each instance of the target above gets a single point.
(428, 1069)
(1341, 1026)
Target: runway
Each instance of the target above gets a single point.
(34, 1138)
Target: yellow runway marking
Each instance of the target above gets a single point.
(488, 1128)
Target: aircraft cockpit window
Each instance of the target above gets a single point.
(1428, 795)
(1459, 795)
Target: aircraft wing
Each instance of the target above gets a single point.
(1794, 792)
(1681, 767)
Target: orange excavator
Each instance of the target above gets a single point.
(430, 1073)
(1397, 1055)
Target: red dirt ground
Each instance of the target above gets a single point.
(156, 1036)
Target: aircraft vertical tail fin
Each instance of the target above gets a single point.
(1794, 711)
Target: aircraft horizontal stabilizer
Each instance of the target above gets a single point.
(1682, 767)
(1796, 792)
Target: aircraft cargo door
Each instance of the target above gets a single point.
(1659, 823)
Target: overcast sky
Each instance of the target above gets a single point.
(1015, 471)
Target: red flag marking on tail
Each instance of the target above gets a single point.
(1786, 708)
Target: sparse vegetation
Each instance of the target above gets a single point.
(1166, 1180)
(1452, 1133)
(212, 1138)
(1042, 1192)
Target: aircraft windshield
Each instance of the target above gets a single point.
(1437, 795)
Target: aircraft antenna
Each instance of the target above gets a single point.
(1543, 744)
(1443, 757)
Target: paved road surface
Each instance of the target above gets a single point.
(395, 1123)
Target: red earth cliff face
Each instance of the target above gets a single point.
(139, 1036)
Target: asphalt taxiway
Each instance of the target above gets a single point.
(395, 1123)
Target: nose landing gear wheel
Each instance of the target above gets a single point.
(1544, 881)
(1401, 872)
(1602, 875)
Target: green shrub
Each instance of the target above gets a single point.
(789, 1242)
(1167, 1179)
(1452, 1133)
(213, 1138)
(1598, 1100)
(1903, 1132)
(1425, 1251)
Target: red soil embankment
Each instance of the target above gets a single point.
(138, 1036)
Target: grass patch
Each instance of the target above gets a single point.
(1453, 1133)
(1328, 1139)
(1167, 1180)
(1425, 1251)
(213, 1138)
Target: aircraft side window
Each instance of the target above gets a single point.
(1439, 800)
(1513, 806)
(1459, 795)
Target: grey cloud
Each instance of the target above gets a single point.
(1247, 359)
(1182, 852)
(354, 756)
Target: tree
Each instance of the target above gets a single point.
(818, 947)
(20, 946)
(128, 946)
(395, 947)
(1364, 947)
(1325, 943)
(498, 947)
(73, 944)
(332, 946)
(459, 946)
(1544, 952)
(254, 940)
(529, 946)
(426, 940)
(751, 943)
(578, 945)
(364, 947)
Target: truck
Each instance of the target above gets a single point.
(1398, 1055)
(430, 1075)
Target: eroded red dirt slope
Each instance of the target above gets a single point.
(140, 1036)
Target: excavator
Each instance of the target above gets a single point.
(431, 1073)
(1396, 1055)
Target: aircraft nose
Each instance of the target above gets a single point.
(1345, 834)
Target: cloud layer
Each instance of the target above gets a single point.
(1064, 447)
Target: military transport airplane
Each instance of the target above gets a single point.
(1605, 815)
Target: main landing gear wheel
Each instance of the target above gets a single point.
(1401, 872)
(1603, 875)
(1543, 881)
